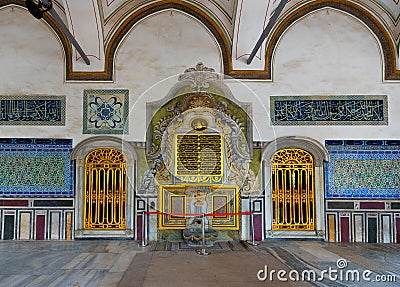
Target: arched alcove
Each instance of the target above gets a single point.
(319, 155)
(79, 155)
(170, 7)
(30, 52)
(365, 17)
(165, 38)
(327, 47)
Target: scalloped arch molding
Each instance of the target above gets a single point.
(387, 46)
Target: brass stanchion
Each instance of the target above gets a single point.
(203, 250)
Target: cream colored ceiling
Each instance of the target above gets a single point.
(224, 12)
(95, 22)
(387, 11)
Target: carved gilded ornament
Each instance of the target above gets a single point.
(196, 109)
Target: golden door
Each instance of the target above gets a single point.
(105, 190)
(293, 190)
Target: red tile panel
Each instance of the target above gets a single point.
(372, 205)
(12, 202)
(344, 229)
(40, 224)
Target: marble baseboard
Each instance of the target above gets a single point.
(90, 234)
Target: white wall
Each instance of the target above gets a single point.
(326, 53)
(153, 55)
(322, 54)
(161, 46)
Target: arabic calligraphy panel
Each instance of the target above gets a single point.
(329, 110)
(32, 110)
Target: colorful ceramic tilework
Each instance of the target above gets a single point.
(329, 110)
(32, 110)
(363, 169)
(36, 167)
(105, 111)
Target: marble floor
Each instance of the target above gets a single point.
(124, 263)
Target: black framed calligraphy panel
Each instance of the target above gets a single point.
(32, 110)
(329, 110)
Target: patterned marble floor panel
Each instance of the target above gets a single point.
(75, 263)
(377, 260)
(109, 263)
(182, 246)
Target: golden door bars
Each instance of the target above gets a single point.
(105, 190)
(293, 190)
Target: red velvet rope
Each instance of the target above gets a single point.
(199, 214)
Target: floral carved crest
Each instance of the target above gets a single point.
(199, 95)
(199, 77)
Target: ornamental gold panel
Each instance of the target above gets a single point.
(178, 203)
(293, 190)
(105, 190)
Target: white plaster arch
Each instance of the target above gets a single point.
(170, 37)
(305, 46)
(30, 52)
(320, 155)
(78, 155)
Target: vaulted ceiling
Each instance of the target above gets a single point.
(100, 26)
(224, 11)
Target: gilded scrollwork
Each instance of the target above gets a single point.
(201, 104)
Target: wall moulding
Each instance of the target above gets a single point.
(370, 20)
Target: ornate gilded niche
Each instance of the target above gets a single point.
(200, 107)
(198, 137)
(104, 199)
(293, 190)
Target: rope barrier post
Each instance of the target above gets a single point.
(203, 250)
(252, 242)
(143, 242)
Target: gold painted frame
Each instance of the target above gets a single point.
(167, 220)
(230, 222)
